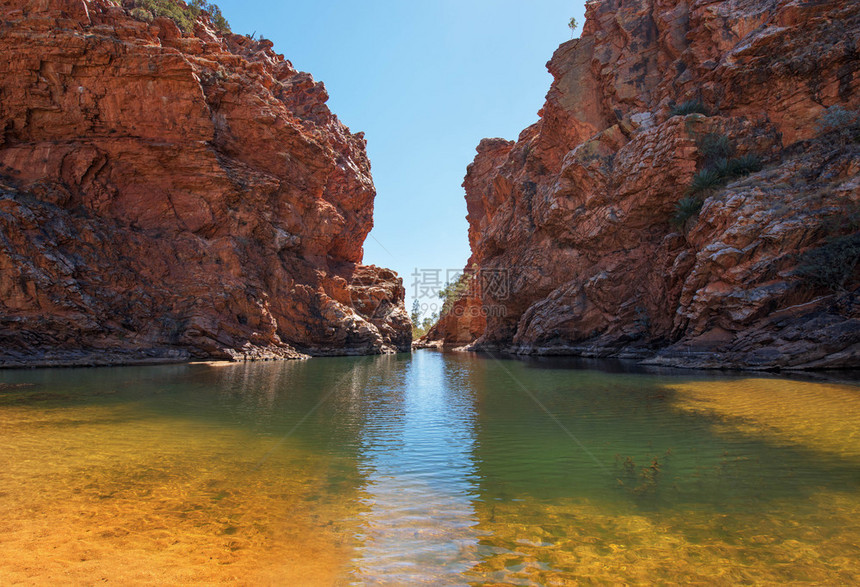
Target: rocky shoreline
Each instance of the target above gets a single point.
(107, 358)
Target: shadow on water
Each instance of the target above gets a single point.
(644, 449)
(672, 475)
(609, 365)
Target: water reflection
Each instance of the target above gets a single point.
(428, 468)
(417, 457)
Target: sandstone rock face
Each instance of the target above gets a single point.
(169, 195)
(577, 211)
(460, 326)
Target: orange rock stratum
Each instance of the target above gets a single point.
(168, 195)
(760, 99)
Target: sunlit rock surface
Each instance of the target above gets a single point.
(167, 196)
(577, 212)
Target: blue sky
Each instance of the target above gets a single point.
(425, 81)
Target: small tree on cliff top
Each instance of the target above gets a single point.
(214, 14)
(572, 25)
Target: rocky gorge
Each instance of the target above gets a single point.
(170, 194)
(689, 197)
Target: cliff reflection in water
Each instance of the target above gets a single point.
(430, 468)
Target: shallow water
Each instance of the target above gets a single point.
(430, 468)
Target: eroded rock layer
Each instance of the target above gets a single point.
(170, 195)
(578, 211)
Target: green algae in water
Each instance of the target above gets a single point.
(429, 469)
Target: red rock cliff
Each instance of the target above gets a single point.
(174, 195)
(577, 212)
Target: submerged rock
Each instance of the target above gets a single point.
(176, 195)
(749, 109)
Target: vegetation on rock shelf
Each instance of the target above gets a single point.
(704, 182)
(685, 209)
(689, 107)
(714, 147)
(184, 15)
(720, 168)
(841, 124)
(723, 171)
(833, 264)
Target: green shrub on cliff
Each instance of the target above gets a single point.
(689, 107)
(719, 173)
(685, 209)
(832, 265)
(739, 166)
(714, 147)
(719, 165)
(184, 15)
(215, 15)
(719, 169)
(142, 14)
(454, 291)
(705, 181)
(841, 124)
